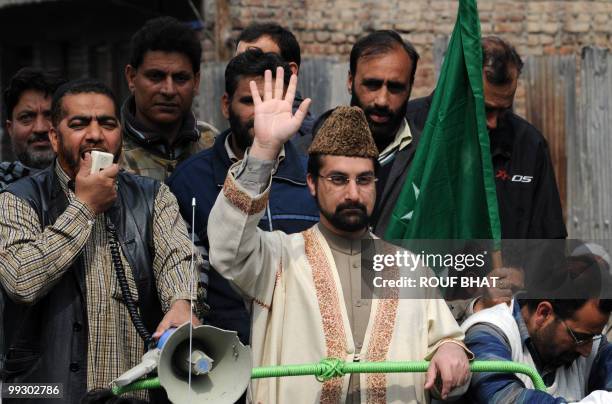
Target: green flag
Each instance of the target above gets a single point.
(450, 190)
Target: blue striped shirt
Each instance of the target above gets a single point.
(489, 342)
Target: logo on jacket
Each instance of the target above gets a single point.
(503, 175)
(522, 178)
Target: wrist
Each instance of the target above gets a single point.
(86, 212)
(87, 205)
(265, 151)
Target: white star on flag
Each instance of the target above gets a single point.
(408, 215)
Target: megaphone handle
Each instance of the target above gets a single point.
(147, 365)
(164, 337)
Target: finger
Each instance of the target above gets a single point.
(255, 93)
(504, 289)
(110, 171)
(280, 83)
(499, 300)
(302, 110)
(290, 96)
(448, 381)
(267, 85)
(85, 165)
(495, 293)
(517, 278)
(499, 272)
(169, 323)
(466, 374)
(195, 321)
(161, 328)
(487, 302)
(430, 377)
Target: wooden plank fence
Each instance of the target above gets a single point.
(589, 163)
(550, 105)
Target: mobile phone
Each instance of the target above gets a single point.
(100, 160)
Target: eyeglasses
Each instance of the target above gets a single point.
(581, 338)
(340, 180)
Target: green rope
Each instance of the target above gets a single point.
(332, 367)
(509, 367)
(142, 384)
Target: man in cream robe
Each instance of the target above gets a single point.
(295, 285)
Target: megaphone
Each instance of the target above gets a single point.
(220, 365)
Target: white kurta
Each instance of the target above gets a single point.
(299, 315)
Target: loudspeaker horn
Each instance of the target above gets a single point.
(220, 365)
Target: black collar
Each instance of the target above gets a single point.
(502, 138)
(146, 136)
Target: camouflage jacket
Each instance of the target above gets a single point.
(11, 171)
(147, 153)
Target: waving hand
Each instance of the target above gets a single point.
(275, 122)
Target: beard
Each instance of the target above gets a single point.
(240, 130)
(550, 356)
(383, 132)
(35, 157)
(348, 216)
(73, 161)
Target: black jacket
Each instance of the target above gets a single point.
(303, 137)
(527, 193)
(386, 200)
(11, 171)
(47, 340)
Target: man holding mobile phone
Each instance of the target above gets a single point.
(67, 319)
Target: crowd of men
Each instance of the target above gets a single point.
(96, 265)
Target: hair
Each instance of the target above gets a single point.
(315, 160)
(282, 37)
(106, 396)
(79, 86)
(166, 34)
(498, 57)
(381, 42)
(253, 63)
(583, 278)
(29, 78)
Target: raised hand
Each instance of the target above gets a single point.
(274, 119)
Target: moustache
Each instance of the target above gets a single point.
(351, 205)
(382, 111)
(38, 137)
